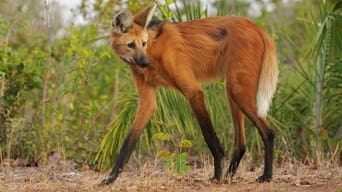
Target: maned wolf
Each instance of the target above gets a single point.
(179, 56)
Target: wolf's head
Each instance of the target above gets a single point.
(129, 36)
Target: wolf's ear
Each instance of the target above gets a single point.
(143, 17)
(122, 21)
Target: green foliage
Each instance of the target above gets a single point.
(16, 79)
(177, 163)
(176, 160)
(184, 10)
(328, 34)
(53, 98)
(118, 130)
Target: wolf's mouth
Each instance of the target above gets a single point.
(132, 62)
(127, 61)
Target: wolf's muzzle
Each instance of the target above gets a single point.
(143, 62)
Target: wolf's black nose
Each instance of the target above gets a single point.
(144, 62)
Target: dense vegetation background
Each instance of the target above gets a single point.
(62, 89)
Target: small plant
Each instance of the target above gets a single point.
(176, 161)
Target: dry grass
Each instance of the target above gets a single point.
(152, 177)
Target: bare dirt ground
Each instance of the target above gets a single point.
(63, 177)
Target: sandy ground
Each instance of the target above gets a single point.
(148, 178)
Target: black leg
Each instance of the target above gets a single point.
(268, 145)
(240, 139)
(147, 105)
(125, 152)
(196, 101)
(267, 135)
(234, 163)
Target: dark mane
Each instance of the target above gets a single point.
(156, 25)
(153, 23)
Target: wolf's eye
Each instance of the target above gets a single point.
(131, 45)
(144, 43)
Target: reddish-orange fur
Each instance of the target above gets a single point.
(183, 54)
